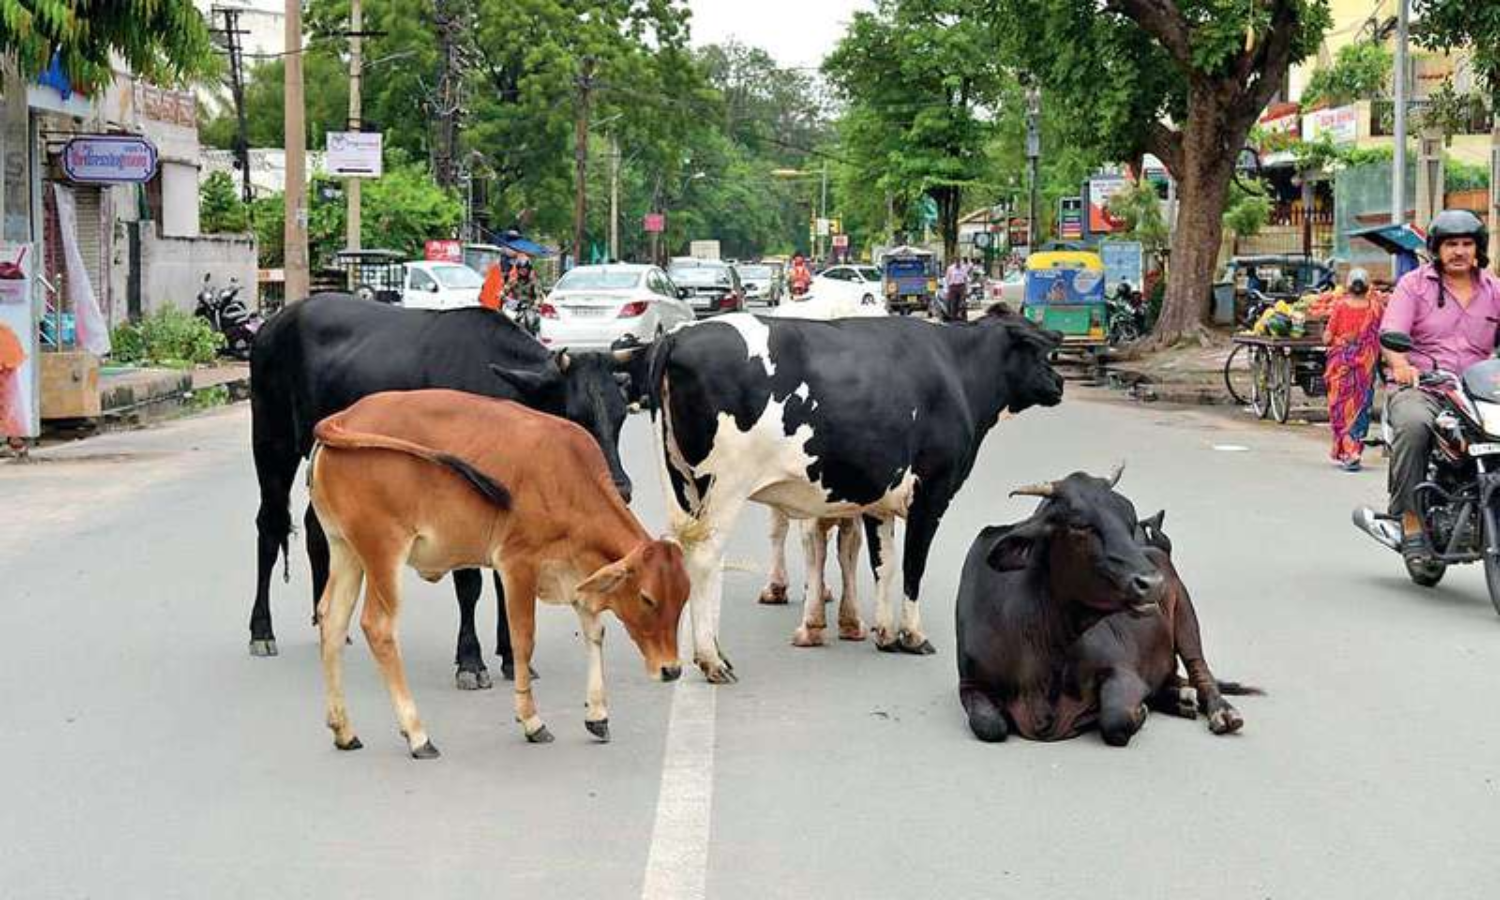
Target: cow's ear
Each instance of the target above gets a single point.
(1151, 533)
(528, 381)
(608, 579)
(1012, 551)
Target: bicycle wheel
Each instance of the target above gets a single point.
(1236, 378)
(1281, 387)
(1260, 381)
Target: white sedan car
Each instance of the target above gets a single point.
(592, 307)
(440, 285)
(859, 284)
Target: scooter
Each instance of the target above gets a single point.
(1458, 504)
(229, 316)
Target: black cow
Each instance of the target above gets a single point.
(1076, 618)
(880, 417)
(320, 356)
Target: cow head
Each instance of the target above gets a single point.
(1084, 539)
(1026, 376)
(588, 389)
(647, 591)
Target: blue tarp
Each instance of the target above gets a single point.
(513, 240)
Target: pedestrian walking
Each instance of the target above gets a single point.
(1353, 340)
(955, 288)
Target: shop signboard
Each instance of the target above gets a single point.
(109, 159)
(654, 223)
(1070, 218)
(354, 154)
(19, 413)
(1340, 124)
(445, 251)
(1101, 189)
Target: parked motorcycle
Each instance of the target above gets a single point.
(1458, 504)
(1127, 315)
(229, 316)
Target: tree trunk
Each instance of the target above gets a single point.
(947, 199)
(1203, 185)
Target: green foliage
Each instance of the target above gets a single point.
(400, 211)
(1247, 213)
(165, 41)
(220, 209)
(1447, 111)
(1462, 176)
(1464, 24)
(918, 76)
(1138, 206)
(1360, 71)
(326, 77)
(169, 338)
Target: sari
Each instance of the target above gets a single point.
(1353, 352)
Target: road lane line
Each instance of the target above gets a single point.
(677, 865)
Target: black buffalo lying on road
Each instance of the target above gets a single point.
(321, 355)
(1076, 618)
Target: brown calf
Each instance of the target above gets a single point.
(442, 480)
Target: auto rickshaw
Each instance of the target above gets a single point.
(1065, 293)
(910, 279)
(378, 275)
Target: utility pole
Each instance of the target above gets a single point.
(1398, 162)
(295, 232)
(581, 158)
(447, 103)
(614, 198)
(822, 213)
(356, 63)
(231, 33)
(1033, 156)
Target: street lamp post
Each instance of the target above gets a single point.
(1033, 157)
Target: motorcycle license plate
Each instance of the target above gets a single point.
(1484, 449)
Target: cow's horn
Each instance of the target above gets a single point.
(625, 356)
(561, 359)
(1043, 489)
(1114, 477)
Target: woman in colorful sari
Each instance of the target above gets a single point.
(1353, 340)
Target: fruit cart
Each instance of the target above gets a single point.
(1276, 365)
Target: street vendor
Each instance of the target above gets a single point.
(1352, 336)
(1451, 308)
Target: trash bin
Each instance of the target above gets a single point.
(1223, 312)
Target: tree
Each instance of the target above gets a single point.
(165, 41)
(1360, 71)
(1184, 80)
(1452, 25)
(219, 206)
(920, 77)
(326, 103)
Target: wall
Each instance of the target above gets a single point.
(179, 200)
(172, 269)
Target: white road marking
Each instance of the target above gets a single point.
(677, 865)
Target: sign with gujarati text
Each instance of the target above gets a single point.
(109, 159)
(445, 251)
(353, 154)
(654, 223)
(1340, 124)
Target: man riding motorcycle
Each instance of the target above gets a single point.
(1451, 309)
(799, 277)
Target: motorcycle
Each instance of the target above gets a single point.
(1127, 315)
(1458, 503)
(228, 314)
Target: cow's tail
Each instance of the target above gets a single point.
(684, 527)
(656, 373)
(331, 433)
(1236, 689)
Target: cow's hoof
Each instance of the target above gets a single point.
(1225, 720)
(508, 671)
(1187, 703)
(915, 644)
(474, 681)
(353, 744)
(808, 636)
(720, 672)
(426, 751)
(599, 729)
(540, 736)
(852, 632)
(774, 595)
(263, 648)
(885, 639)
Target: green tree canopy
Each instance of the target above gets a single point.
(1360, 71)
(165, 41)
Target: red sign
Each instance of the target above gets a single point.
(445, 251)
(841, 242)
(655, 223)
(1101, 189)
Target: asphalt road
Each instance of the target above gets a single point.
(146, 754)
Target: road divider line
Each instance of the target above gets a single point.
(677, 864)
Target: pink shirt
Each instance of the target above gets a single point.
(1457, 337)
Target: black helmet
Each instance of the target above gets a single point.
(1457, 223)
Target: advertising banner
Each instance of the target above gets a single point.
(1101, 188)
(19, 415)
(445, 251)
(1123, 261)
(353, 154)
(109, 159)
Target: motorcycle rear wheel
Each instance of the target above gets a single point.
(1491, 564)
(1428, 573)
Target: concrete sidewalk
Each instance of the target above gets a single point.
(126, 390)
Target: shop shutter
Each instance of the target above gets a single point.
(89, 199)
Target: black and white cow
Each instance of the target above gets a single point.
(880, 417)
